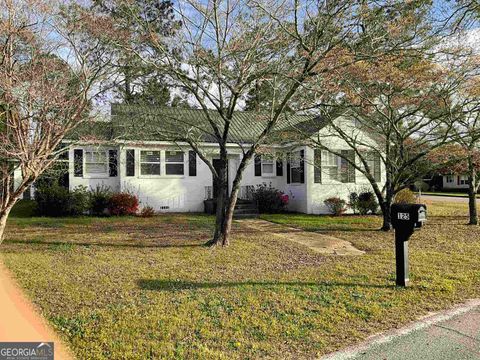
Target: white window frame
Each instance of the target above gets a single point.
(86, 173)
(449, 179)
(159, 162)
(463, 180)
(174, 163)
(331, 161)
(268, 161)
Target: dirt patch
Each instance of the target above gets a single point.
(320, 243)
(20, 321)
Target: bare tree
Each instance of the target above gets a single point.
(466, 131)
(48, 74)
(225, 48)
(393, 114)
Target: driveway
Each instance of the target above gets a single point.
(451, 335)
(20, 321)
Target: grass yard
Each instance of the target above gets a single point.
(131, 288)
(448, 194)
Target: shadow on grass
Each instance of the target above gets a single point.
(168, 285)
(119, 245)
(330, 229)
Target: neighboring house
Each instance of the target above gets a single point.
(454, 181)
(133, 156)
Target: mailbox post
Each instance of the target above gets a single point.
(406, 218)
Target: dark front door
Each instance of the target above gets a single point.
(216, 165)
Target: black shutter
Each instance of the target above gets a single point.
(279, 167)
(258, 165)
(78, 162)
(351, 168)
(302, 166)
(112, 163)
(344, 167)
(377, 171)
(347, 169)
(130, 162)
(192, 163)
(317, 166)
(288, 168)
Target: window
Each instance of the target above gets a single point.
(330, 165)
(296, 167)
(449, 179)
(337, 168)
(267, 167)
(463, 180)
(150, 162)
(96, 162)
(174, 163)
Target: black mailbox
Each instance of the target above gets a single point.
(405, 219)
(406, 216)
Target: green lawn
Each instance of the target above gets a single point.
(129, 288)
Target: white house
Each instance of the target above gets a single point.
(455, 181)
(170, 177)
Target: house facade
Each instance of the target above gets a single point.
(455, 182)
(170, 177)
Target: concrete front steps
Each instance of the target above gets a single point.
(245, 209)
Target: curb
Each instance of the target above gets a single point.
(390, 335)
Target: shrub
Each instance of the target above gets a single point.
(405, 196)
(421, 186)
(80, 203)
(335, 205)
(269, 199)
(367, 203)
(55, 200)
(353, 202)
(147, 212)
(99, 200)
(123, 204)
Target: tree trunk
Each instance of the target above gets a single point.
(384, 205)
(219, 218)
(230, 208)
(472, 194)
(221, 184)
(387, 217)
(3, 221)
(233, 198)
(386, 211)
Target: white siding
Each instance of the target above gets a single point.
(184, 193)
(456, 182)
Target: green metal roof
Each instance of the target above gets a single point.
(149, 123)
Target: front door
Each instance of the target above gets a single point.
(216, 165)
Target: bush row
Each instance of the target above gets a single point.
(365, 202)
(55, 200)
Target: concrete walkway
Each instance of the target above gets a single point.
(19, 320)
(449, 335)
(321, 243)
